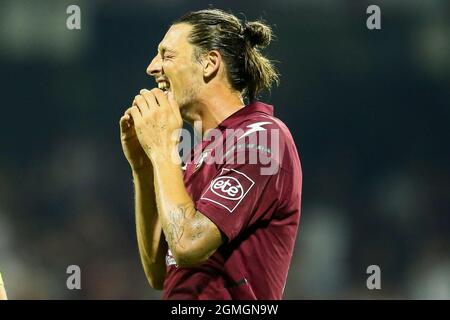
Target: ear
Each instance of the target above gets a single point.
(211, 63)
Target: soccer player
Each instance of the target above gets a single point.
(2, 289)
(216, 227)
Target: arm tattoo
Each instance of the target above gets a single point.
(199, 225)
(175, 226)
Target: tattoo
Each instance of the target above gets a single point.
(175, 226)
(199, 225)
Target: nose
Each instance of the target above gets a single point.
(155, 67)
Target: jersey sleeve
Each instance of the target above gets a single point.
(240, 195)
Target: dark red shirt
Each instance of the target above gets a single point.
(255, 204)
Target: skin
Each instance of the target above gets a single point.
(166, 216)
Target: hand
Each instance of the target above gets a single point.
(131, 147)
(157, 120)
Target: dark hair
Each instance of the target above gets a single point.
(238, 42)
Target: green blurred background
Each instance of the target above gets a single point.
(369, 111)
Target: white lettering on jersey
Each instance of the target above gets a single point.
(228, 189)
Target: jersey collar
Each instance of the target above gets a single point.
(242, 113)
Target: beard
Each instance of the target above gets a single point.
(188, 98)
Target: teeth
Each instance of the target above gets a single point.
(163, 86)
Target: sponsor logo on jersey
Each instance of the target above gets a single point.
(228, 189)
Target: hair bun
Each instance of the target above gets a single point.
(257, 33)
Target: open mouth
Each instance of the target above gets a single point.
(164, 86)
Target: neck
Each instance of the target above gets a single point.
(212, 109)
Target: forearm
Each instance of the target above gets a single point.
(176, 209)
(191, 236)
(152, 246)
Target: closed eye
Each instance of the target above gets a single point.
(165, 53)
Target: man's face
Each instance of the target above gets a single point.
(175, 68)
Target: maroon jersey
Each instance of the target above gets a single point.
(247, 180)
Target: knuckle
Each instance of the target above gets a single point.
(134, 109)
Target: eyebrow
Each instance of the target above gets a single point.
(162, 49)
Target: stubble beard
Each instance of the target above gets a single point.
(187, 102)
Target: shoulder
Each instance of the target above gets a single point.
(269, 133)
(261, 119)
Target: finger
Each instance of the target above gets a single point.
(128, 112)
(160, 97)
(125, 122)
(149, 98)
(126, 116)
(136, 114)
(126, 127)
(141, 104)
(166, 100)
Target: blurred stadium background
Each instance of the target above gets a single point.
(369, 111)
